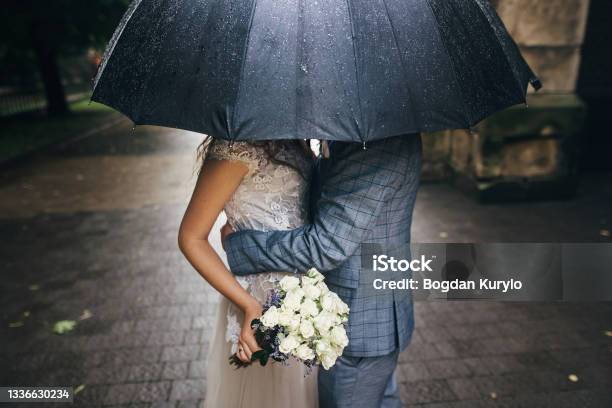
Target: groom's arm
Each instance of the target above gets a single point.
(352, 197)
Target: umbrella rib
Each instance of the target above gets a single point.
(499, 42)
(231, 125)
(155, 64)
(299, 54)
(445, 46)
(114, 40)
(348, 6)
(404, 71)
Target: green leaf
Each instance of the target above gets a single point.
(264, 359)
(262, 356)
(64, 326)
(257, 355)
(79, 389)
(259, 337)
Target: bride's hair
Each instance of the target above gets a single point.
(271, 148)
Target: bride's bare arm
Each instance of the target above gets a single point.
(216, 183)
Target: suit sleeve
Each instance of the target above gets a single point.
(352, 197)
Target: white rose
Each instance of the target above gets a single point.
(295, 323)
(323, 288)
(328, 360)
(303, 352)
(324, 321)
(309, 308)
(326, 337)
(270, 318)
(289, 282)
(323, 347)
(311, 291)
(336, 318)
(338, 336)
(288, 319)
(293, 299)
(288, 344)
(316, 275)
(308, 281)
(328, 302)
(339, 305)
(306, 329)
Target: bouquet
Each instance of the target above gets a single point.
(302, 319)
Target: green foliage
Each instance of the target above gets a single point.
(262, 356)
(19, 135)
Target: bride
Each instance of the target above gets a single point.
(261, 186)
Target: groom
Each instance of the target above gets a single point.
(357, 196)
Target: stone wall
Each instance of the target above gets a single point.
(524, 151)
(550, 34)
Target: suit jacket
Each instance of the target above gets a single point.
(360, 196)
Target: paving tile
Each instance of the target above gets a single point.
(145, 372)
(172, 338)
(175, 371)
(197, 369)
(426, 391)
(195, 336)
(188, 389)
(153, 391)
(180, 353)
(91, 396)
(163, 404)
(504, 364)
(445, 369)
(190, 404)
(107, 374)
(121, 394)
(477, 365)
(464, 388)
(413, 371)
(131, 356)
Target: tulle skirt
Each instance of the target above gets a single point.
(273, 386)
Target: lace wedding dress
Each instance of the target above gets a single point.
(271, 197)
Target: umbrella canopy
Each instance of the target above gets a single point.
(350, 70)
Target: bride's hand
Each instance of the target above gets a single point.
(247, 344)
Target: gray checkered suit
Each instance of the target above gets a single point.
(359, 196)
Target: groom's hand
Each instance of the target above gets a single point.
(226, 230)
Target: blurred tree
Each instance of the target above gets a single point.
(41, 31)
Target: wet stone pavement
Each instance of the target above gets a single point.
(89, 231)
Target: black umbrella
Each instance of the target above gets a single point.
(351, 70)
